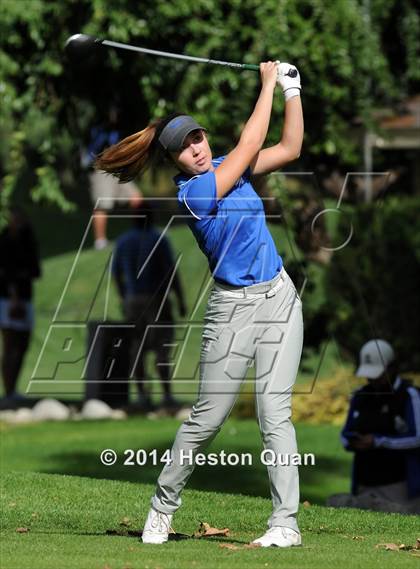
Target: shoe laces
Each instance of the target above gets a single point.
(275, 529)
(161, 522)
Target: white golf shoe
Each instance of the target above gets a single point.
(157, 527)
(279, 537)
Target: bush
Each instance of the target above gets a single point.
(372, 285)
(324, 402)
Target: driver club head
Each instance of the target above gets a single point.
(81, 46)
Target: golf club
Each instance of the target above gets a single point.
(80, 44)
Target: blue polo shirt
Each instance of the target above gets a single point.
(232, 231)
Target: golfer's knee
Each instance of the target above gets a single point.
(209, 422)
(276, 425)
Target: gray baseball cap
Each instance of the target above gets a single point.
(173, 135)
(375, 357)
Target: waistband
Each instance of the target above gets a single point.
(266, 288)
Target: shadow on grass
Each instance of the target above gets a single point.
(138, 533)
(248, 479)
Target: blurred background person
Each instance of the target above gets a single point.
(143, 268)
(105, 191)
(383, 431)
(19, 266)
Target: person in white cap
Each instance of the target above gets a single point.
(383, 431)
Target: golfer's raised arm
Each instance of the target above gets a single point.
(253, 134)
(288, 149)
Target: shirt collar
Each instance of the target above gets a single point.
(181, 178)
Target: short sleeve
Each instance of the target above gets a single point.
(199, 195)
(246, 176)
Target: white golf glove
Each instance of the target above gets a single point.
(289, 79)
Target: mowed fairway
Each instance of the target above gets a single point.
(55, 487)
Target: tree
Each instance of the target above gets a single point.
(350, 62)
(372, 284)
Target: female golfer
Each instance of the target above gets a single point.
(254, 312)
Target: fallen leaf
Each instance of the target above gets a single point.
(228, 546)
(358, 537)
(400, 547)
(388, 546)
(306, 504)
(125, 522)
(205, 530)
(22, 530)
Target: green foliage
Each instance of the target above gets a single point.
(373, 284)
(350, 62)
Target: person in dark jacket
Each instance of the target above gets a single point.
(19, 266)
(144, 271)
(383, 431)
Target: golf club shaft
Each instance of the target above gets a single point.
(178, 56)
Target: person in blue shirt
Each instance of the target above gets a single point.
(143, 269)
(254, 313)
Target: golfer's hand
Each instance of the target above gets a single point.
(268, 71)
(289, 79)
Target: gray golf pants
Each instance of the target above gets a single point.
(260, 323)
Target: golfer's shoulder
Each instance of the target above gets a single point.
(217, 161)
(183, 187)
(196, 186)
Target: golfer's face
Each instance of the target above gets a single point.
(195, 155)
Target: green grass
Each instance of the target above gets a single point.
(74, 448)
(74, 290)
(54, 485)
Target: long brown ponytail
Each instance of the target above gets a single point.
(131, 156)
